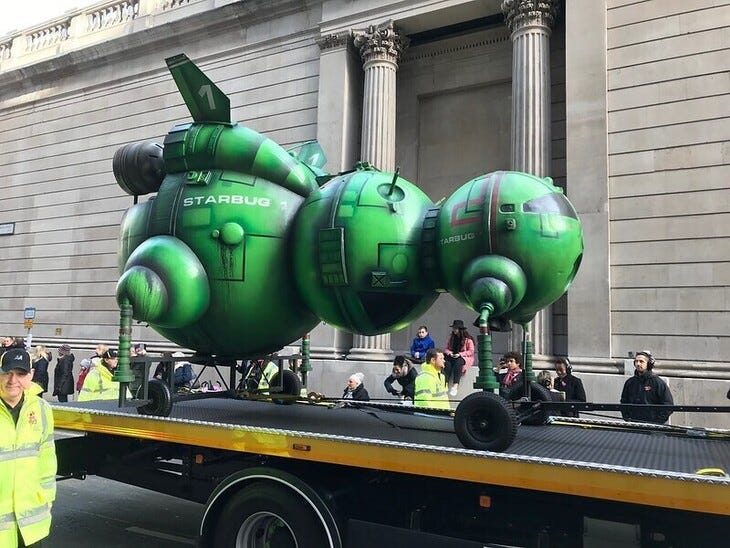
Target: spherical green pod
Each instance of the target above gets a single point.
(224, 213)
(358, 255)
(522, 219)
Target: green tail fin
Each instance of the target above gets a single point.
(205, 101)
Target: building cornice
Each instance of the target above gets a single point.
(112, 29)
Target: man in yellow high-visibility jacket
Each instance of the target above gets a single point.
(99, 383)
(431, 388)
(27, 455)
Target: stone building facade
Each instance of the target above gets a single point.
(624, 104)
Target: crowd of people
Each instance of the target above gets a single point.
(435, 385)
(28, 487)
(94, 380)
(442, 369)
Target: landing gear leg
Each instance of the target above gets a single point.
(123, 374)
(484, 420)
(486, 379)
(528, 349)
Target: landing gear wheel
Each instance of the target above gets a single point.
(267, 514)
(291, 386)
(486, 422)
(526, 412)
(160, 397)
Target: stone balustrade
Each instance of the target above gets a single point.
(79, 28)
(5, 50)
(111, 14)
(47, 36)
(169, 4)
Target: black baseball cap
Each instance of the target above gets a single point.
(15, 358)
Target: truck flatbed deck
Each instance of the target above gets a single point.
(603, 460)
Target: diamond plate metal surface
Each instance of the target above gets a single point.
(599, 446)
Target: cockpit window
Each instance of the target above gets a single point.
(550, 203)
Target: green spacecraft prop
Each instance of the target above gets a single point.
(242, 251)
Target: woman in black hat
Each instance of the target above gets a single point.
(458, 355)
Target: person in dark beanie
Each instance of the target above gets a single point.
(63, 378)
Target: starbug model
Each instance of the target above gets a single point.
(246, 247)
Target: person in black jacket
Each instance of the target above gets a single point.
(646, 388)
(355, 389)
(11, 342)
(568, 383)
(137, 367)
(41, 358)
(63, 378)
(404, 373)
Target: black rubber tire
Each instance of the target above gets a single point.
(524, 411)
(160, 399)
(291, 386)
(486, 422)
(267, 514)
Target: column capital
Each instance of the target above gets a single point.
(523, 13)
(334, 40)
(381, 42)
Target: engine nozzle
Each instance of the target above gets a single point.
(139, 167)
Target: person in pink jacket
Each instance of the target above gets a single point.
(458, 354)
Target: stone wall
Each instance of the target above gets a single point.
(63, 117)
(668, 106)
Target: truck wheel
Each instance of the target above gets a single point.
(486, 422)
(525, 411)
(291, 386)
(160, 399)
(267, 514)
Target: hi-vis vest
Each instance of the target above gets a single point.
(431, 389)
(98, 385)
(27, 471)
(267, 375)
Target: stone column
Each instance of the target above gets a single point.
(586, 164)
(530, 22)
(338, 132)
(339, 103)
(381, 46)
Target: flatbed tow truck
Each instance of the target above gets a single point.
(331, 474)
(242, 235)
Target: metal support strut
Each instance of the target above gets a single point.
(486, 379)
(123, 374)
